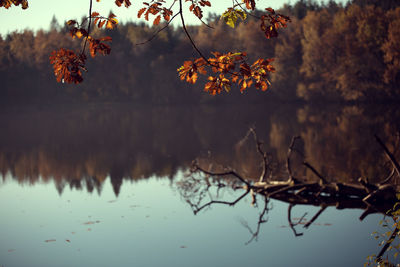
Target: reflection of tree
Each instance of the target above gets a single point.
(201, 188)
(71, 144)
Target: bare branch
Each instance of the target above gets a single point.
(240, 5)
(187, 33)
(158, 31)
(387, 244)
(88, 28)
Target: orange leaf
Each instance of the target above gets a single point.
(101, 23)
(157, 20)
(140, 12)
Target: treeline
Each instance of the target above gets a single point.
(329, 52)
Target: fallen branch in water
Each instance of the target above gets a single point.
(372, 198)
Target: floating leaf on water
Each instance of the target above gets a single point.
(50, 240)
(327, 224)
(91, 222)
(69, 241)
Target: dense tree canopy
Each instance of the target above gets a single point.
(331, 51)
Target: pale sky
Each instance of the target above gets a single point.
(40, 12)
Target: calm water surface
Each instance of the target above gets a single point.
(100, 186)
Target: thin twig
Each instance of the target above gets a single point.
(188, 35)
(386, 246)
(158, 31)
(240, 5)
(261, 220)
(88, 28)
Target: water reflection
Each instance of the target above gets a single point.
(80, 146)
(113, 150)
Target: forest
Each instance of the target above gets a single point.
(328, 53)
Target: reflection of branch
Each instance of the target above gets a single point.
(261, 220)
(263, 154)
(308, 165)
(291, 224)
(221, 202)
(390, 176)
(288, 163)
(323, 207)
(389, 155)
(196, 167)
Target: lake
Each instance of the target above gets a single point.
(107, 184)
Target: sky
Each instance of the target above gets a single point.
(40, 12)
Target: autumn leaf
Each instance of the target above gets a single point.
(231, 16)
(101, 23)
(271, 22)
(98, 46)
(71, 22)
(250, 4)
(140, 12)
(157, 20)
(67, 65)
(119, 3)
(7, 3)
(198, 12)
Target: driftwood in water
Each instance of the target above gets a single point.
(362, 195)
(372, 198)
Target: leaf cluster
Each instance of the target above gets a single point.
(232, 15)
(155, 9)
(223, 70)
(196, 6)
(8, 3)
(271, 22)
(68, 65)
